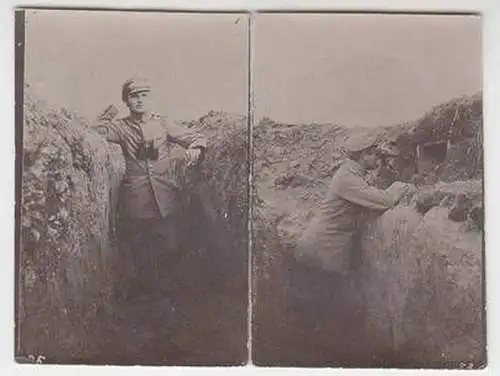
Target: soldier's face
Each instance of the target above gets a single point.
(138, 102)
(369, 159)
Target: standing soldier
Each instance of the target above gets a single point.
(149, 193)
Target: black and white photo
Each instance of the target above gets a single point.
(367, 144)
(133, 224)
(250, 188)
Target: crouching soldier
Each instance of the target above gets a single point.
(329, 250)
(328, 241)
(149, 193)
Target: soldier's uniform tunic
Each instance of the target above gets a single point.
(149, 193)
(329, 240)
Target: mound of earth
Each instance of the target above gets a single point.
(422, 280)
(293, 163)
(67, 246)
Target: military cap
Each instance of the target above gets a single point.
(359, 142)
(135, 85)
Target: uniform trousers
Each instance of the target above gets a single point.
(326, 312)
(149, 248)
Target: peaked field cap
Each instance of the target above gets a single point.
(360, 142)
(135, 85)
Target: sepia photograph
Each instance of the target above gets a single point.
(132, 161)
(368, 201)
(249, 188)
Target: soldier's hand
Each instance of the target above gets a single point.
(192, 156)
(407, 191)
(400, 190)
(108, 114)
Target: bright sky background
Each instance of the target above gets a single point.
(357, 69)
(197, 63)
(349, 69)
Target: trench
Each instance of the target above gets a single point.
(86, 308)
(396, 309)
(193, 311)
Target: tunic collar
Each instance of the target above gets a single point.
(148, 127)
(356, 167)
(142, 120)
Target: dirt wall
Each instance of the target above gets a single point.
(68, 247)
(423, 285)
(72, 271)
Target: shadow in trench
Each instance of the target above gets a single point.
(194, 311)
(307, 318)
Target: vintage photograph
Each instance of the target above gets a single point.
(368, 199)
(132, 160)
(286, 189)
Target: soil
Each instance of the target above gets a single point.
(292, 167)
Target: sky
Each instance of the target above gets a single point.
(196, 63)
(367, 70)
(350, 69)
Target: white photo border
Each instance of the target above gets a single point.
(490, 11)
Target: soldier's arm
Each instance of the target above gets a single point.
(355, 189)
(106, 126)
(184, 136)
(109, 130)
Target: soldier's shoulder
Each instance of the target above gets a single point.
(161, 119)
(345, 167)
(352, 167)
(169, 123)
(346, 171)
